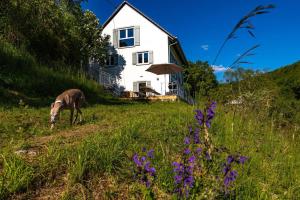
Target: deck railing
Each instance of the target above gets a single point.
(177, 89)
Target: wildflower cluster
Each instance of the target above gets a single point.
(144, 171)
(204, 120)
(184, 172)
(229, 173)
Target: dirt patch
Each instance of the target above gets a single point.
(49, 193)
(76, 132)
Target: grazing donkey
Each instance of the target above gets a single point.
(69, 99)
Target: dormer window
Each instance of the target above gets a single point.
(126, 37)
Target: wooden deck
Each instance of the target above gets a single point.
(154, 98)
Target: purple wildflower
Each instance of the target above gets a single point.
(210, 113)
(198, 150)
(243, 159)
(226, 169)
(178, 179)
(178, 167)
(187, 151)
(189, 181)
(196, 136)
(148, 184)
(192, 159)
(143, 159)
(199, 117)
(144, 170)
(230, 175)
(137, 160)
(186, 140)
(229, 178)
(150, 153)
(230, 159)
(183, 174)
(190, 130)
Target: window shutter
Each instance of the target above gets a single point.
(135, 86)
(148, 83)
(116, 59)
(134, 58)
(150, 57)
(115, 38)
(136, 36)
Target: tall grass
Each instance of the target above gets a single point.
(16, 175)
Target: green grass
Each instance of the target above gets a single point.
(98, 163)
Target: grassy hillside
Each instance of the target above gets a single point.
(94, 159)
(23, 78)
(288, 79)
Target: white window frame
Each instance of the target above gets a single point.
(143, 58)
(126, 36)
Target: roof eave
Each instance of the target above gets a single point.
(141, 13)
(179, 50)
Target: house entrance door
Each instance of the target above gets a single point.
(142, 86)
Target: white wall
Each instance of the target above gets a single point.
(151, 38)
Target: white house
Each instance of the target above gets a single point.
(137, 43)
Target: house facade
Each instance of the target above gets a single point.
(137, 42)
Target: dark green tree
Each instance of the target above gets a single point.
(56, 32)
(199, 78)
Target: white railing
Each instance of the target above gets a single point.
(109, 82)
(177, 89)
(106, 79)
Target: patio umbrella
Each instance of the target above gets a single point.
(160, 69)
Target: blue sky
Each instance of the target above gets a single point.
(202, 25)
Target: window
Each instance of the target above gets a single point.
(173, 59)
(126, 37)
(143, 57)
(112, 60)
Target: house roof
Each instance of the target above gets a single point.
(172, 37)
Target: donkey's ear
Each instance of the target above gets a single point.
(52, 105)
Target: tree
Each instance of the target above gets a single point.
(56, 32)
(94, 45)
(199, 78)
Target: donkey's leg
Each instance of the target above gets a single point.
(80, 114)
(71, 116)
(76, 106)
(76, 116)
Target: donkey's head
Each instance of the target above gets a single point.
(54, 112)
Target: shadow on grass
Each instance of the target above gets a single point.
(12, 98)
